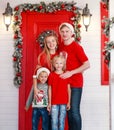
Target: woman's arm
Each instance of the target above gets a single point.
(35, 81)
(36, 90)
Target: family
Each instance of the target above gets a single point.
(58, 82)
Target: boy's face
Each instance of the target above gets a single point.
(43, 76)
(66, 33)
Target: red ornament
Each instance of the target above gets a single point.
(40, 7)
(78, 38)
(16, 8)
(19, 46)
(73, 8)
(104, 6)
(62, 6)
(14, 59)
(103, 25)
(104, 52)
(79, 25)
(15, 36)
(18, 74)
(16, 18)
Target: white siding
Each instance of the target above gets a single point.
(95, 99)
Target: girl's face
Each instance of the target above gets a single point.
(43, 76)
(66, 33)
(59, 64)
(51, 42)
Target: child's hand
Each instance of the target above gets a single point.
(49, 107)
(36, 91)
(68, 106)
(26, 108)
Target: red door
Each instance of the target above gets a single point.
(33, 23)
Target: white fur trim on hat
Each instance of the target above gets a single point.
(42, 69)
(68, 25)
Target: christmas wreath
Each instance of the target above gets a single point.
(42, 8)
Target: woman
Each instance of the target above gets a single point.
(50, 41)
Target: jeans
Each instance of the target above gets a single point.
(74, 117)
(36, 114)
(58, 114)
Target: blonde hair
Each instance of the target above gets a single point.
(59, 57)
(46, 49)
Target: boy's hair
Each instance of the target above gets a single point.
(42, 69)
(61, 57)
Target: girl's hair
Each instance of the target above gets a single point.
(59, 57)
(46, 49)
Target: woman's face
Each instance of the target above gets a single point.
(65, 33)
(51, 42)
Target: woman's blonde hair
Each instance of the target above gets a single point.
(46, 49)
(59, 57)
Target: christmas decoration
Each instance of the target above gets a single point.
(106, 52)
(105, 4)
(108, 23)
(42, 8)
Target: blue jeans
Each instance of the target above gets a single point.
(36, 114)
(58, 114)
(74, 117)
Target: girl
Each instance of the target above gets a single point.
(59, 93)
(77, 63)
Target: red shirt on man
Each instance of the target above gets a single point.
(75, 58)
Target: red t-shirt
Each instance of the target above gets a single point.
(75, 58)
(59, 89)
(44, 61)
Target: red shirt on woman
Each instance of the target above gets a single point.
(44, 61)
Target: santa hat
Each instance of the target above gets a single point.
(42, 69)
(68, 25)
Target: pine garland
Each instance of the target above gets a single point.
(42, 8)
(107, 23)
